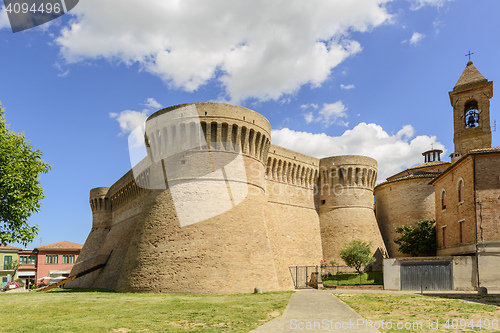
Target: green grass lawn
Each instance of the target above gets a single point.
(462, 312)
(73, 310)
(349, 279)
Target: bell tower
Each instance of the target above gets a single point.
(470, 99)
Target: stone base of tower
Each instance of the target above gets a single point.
(342, 225)
(228, 253)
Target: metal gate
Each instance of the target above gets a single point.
(301, 276)
(427, 276)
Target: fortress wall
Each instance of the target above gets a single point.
(130, 203)
(295, 239)
(226, 252)
(291, 177)
(346, 205)
(113, 225)
(294, 227)
(403, 202)
(101, 221)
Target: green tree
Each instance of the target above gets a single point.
(20, 190)
(357, 254)
(13, 266)
(417, 241)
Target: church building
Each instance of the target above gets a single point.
(465, 195)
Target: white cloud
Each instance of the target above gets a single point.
(347, 87)
(417, 4)
(416, 38)
(308, 106)
(4, 19)
(309, 117)
(255, 48)
(130, 119)
(328, 115)
(151, 103)
(392, 152)
(64, 74)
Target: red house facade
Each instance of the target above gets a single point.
(55, 261)
(27, 270)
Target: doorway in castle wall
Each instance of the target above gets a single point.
(302, 276)
(427, 276)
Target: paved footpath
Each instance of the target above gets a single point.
(316, 311)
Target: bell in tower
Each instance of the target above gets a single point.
(470, 99)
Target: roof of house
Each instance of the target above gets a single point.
(427, 164)
(8, 247)
(470, 75)
(463, 157)
(64, 245)
(413, 175)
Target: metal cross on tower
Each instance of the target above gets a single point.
(469, 54)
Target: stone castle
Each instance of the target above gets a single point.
(214, 207)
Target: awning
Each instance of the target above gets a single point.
(59, 272)
(22, 274)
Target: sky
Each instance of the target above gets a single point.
(333, 77)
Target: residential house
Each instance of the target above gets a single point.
(55, 261)
(27, 270)
(7, 254)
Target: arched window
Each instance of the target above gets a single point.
(460, 189)
(443, 199)
(471, 114)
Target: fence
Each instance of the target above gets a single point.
(347, 276)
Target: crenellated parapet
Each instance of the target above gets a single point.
(349, 171)
(287, 166)
(128, 189)
(101, 207)
(208, 126)
(99, 202)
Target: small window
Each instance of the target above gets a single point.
(68, 258)
(462, 232)
(27, 260)
(443, 199)
(6, 262)
(51, 258)
(460, 188)
(323, 202)
(444, 236)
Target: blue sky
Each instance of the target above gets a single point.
(333, 77)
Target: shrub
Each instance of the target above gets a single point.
(15, 283)
(357, 254)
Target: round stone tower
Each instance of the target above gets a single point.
(101, 207)
(407, 197)
(203, 223)
(101, 225)
(346, 205)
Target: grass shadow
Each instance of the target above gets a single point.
(481, 299)
(80, 290)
